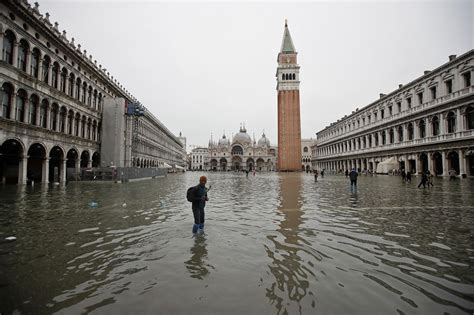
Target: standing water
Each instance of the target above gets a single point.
(273, 244)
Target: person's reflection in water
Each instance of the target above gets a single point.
(197, 264)
(353, 199)
(287, 265)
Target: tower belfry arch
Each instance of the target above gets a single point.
(289, 121)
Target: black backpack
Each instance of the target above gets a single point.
(190, 193)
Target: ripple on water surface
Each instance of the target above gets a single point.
(273, 244)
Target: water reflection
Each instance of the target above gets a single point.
(197, 265)
(287, 266)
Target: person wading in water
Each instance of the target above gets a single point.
(197, 195)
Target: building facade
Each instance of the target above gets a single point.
(53, 96)
(241, 154)
(307, 154)
(427, 124)
(199, 158)
(289, 123)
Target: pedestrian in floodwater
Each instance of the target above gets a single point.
(322, 173)
(424, 180)
(246, 173)
(347, 173)
(353, 177)
(315, 175)
(404, 175)
(408, 177)
(429, 178)
(197, 195)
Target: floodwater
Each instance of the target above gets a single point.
(273, 244)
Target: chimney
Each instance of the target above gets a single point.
(452, 57)
(426, 71)
(382, 95)
(400, 86)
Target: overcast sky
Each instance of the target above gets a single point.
(207, 67)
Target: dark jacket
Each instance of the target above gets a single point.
(199, 197)
(353, 175)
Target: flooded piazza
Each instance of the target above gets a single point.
(273, 244)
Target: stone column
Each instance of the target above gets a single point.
(66, 85)
(22, 169)
(77, 166)
(459, 120)
(430, 163)
(405, 132)
(50, 74)
(62, 171)
(442, 124)
(462, 163)
(40, 70)
(444, 160)
(73, 125)
(28, 62)
(1, 44)
(428, 128)
(57, 120)
(45, 172)
(15, 54)
(416, 130)
(13, 106)
(417, 164)
(66, 123)
(48, 116)
(37, 110)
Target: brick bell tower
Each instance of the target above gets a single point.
(289, 123)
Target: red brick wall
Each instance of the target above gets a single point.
(289, 131)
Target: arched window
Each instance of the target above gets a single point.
(20, 105)
(89, 96)
(84, 92)
(70, 119)
(451, 118)
(8, 42)
(400, 133)
(78, 88)
(294, 76)
(43, 113)
(34, 103)
(305, 149)
(470, 118)
(94, 129)
(46, 65)
(72, 81)
(435, 125)
(89, 126)
(99, 102)
(391, 136)
(54, 117)
(83, 127)
(76, 125)
(62, 85)
(237, 150)
(283, 76)
(410, 131)
(54, 75)
(35, 59)
(22, 54)
(62, 119)
(7, 92)
(94, 103)
(376, 137)
(422, 128)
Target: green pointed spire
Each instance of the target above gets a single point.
(287, 43)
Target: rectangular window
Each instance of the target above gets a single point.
(375, 116)
(399, 106)
(368, 119)
(433, 92)
(390, 110)
(449, 86)
(420, 98)
(382, 112)
(467, 78)
(409, 102)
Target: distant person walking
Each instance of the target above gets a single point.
(246, 173)
(424, 180)
(322, 173)
(429, 177)
(408, 178)
(197, 195)
(353, 177)
(315, 175)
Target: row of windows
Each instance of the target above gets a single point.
(42, 68)
(388, 137)
(30, 110)
(398, 107)
(288, 76)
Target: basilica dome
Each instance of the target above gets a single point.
(224, 142)
(242, 137)
(263, 142)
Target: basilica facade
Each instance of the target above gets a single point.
(241, 153)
